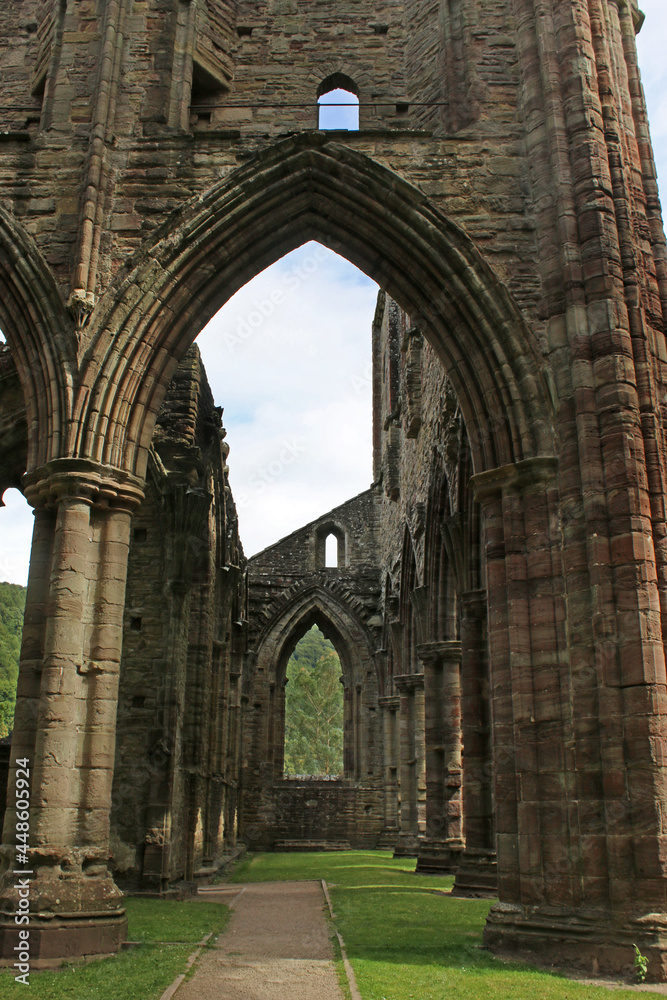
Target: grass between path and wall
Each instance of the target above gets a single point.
(408, 941)
(168, 931)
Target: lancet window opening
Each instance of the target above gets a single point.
(313, 728)
(330, 547)
(338, 103)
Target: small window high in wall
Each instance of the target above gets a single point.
(330, 550)
(338, 103)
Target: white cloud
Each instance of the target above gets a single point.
(289, 358)
(16, 523)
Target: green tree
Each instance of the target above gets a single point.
(314, 708)
(12, 606)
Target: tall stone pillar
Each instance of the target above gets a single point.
(412, 813)
(165, 848)
(237, 703)
(441, 847)
(420, 757)
(390, 706)
(578, 793)
(66, 713)
(279, 759)
(349, 764)
(165, 754)
(477, 872)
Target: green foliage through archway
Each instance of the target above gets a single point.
(12, 605)
(314, 708)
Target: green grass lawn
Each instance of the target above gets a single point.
(407, 941)
(167, 930)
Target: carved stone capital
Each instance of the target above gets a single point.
(446, 651)
(515, 478)
(391, 702)
(409, 682)
(85, 481)
(474, 603)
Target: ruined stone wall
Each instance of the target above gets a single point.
(289, 590)
(177, 761)
(273, 56)
(420, 431)
(433, 659)
(176, 769)
(161, 162)
(296, 563)
(408, 555)
(310, 815)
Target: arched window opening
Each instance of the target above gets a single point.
(314, 714)
(338, 104)
(330, 547)
(331, 551)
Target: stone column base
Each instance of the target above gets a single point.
(477, 874)
(593, 941)
(388, 839)
(407, 845)
(439, 857)
(75, 908)
(63, 937)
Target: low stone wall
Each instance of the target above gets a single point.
(299, 810)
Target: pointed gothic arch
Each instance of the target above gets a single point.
(309, 188)
(337, 81)
(40, 334)
(314, 605)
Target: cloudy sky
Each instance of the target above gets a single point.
(289, 359)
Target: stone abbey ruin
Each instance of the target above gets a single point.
(500, 600)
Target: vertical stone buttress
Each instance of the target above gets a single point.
(477, 870)
(412, 811)
(390, 705)
(185, 509)
(443, 842)
(577, 735)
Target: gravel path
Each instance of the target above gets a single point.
(276, 947)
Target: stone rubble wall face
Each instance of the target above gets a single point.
(478, 179)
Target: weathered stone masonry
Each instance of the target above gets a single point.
(289, 590)
(178, 733)
(177, 756)
(155, 155)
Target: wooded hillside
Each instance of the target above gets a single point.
(314, 708)
(12, 605)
